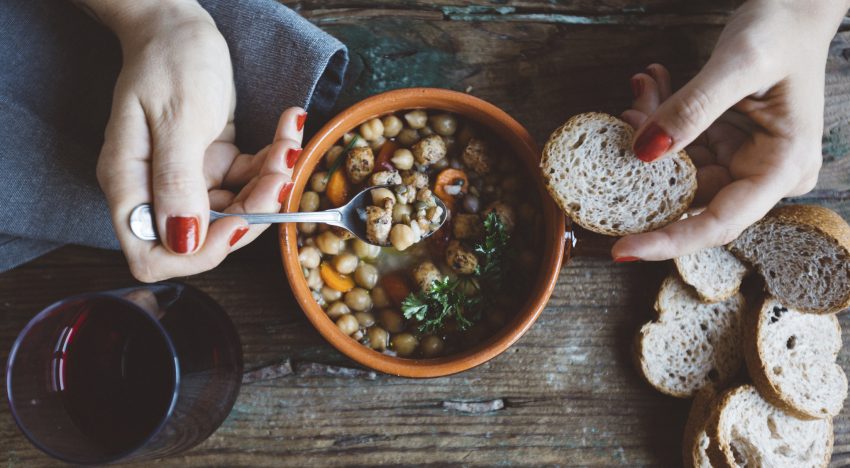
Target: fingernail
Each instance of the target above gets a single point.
(292, 156)
(626, 259)
(300, 121)
(637, 87)
(183, 233)
(287, 187)
(652, 143)
(237, 234)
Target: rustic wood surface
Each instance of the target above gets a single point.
(567, 392)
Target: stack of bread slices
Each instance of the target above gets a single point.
(705, 333)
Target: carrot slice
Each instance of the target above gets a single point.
(450, 177)
(382, 162)
(334, 279)
(337, 189)
(396, 287)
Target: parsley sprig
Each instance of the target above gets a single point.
(494, 250)
(341, 157)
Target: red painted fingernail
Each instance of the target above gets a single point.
(237, 234)
(183, 233)
(292, 156)
(637, 86)
(287, 187)
(625, 259)
(300, 121)
(652, 143)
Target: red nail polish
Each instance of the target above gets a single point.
(300, 121)
(237, 234)
(637, 87)
(287, 187)
(292, 156)
(652, 143)
(183, 233)
(625, 259)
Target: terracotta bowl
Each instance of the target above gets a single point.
(503, 126)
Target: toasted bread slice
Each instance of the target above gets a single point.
(692, 344)
(803, 253)
(750, 432)
(593, 174)
(715, 273)
(695, 441)
(791, 358)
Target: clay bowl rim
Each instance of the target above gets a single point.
(521, 143)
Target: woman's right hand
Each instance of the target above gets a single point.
(751, 120)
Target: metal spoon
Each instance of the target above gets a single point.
(348, 217)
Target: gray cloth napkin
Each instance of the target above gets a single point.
(59, 68)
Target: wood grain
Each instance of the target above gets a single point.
(567, 392)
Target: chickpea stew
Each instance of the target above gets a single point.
(454, 289)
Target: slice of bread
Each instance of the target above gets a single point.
(695, 441)
(715, 273)
(803, 253)
(791, 358)
(750, 432)
(595, 177)
(692, 344)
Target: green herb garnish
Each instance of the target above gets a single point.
(494, 250)
(341, 157)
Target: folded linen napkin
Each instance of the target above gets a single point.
(59, 69)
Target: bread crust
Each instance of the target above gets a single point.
(754, 358)
(810, 218)
(698, 418)
(576, 121)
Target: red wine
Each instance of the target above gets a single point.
(116, 374)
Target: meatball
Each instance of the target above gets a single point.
(386, 178)
(476, 156)
(467, 226)
(429, 150)
(378, 224)
(415, 179)
(505, 213)
(359, 163)
(342, 233)
(461, 259)
(425, 274)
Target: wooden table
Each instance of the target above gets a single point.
(567, 392)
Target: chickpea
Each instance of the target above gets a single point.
(365, 319)
(319, 182)
(345, 263)
(347, 324)
(309, 201)
(314, 280)
(377, 143)
(404, 344)
(392, 125)
(431, 346)
(366, 275)
(408, 137)
(379, 194)
(372, 129)
(444, 124)
(402, 159)
(310, 257)
(328, 243)
(358, 335)
(400, 210)
(379, 297)
(378, 338)
(391, 320)
(306, 228)
(365, 250)
(425, 131)
(416, 119)
(401, 236)
(337, 310)
(333, 154)
(358, 299)
(330, 294)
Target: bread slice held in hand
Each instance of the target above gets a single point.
(692, 344)
(751, 432)
(593, 174)
(715, 273)
(695, 442)
(791, 357)
(803, 253)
